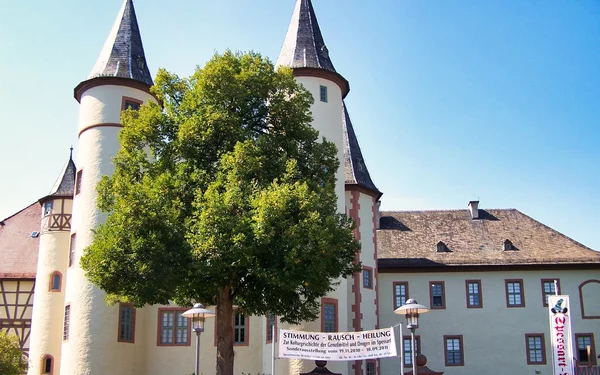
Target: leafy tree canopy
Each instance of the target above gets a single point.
(12, 360)
(224, 195)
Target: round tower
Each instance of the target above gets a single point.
(304, 51)
(49, 295)
(100, 339)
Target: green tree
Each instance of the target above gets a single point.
(12, 359)
(223, 195)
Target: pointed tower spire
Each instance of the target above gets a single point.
(123, 53)
(65, 183)
(304, 49)
(355, 169)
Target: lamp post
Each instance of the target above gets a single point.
(198, 315)
(411, 311)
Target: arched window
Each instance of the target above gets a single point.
(47, 365)
(55, 281)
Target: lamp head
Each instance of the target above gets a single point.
(198, 315)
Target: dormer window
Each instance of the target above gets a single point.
(508, 246)
(441, 247)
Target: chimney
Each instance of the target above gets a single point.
(474, 209)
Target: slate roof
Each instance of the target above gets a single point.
(123, 52)
(355, 169)
(409, 239)
(18, 250)
(65, 184)
(304, 46)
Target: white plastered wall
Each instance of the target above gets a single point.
(92, 347)
(493, 336)
(47, 316)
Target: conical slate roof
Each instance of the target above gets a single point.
(65, 184)
(304, 46)
(123, 52)
(355, 169)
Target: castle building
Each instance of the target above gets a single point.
(452, 261)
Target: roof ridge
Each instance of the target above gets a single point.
(448, 210)
(557, 232)
(18, 212)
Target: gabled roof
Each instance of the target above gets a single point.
(355, 169)
(123, 52)
(18, 249)
(408, 239)
(65, 184)
(304, 46)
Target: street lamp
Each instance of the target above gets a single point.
(411, 311)
(198, 315)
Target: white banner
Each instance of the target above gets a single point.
(560, 335)
(337, 346)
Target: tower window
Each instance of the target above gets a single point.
(67, 322)
(55, 281)
(72, 249)
(47, 208)
(47, 367)
(78, 181)
(367, 277)
(324, 94)
(130, 103)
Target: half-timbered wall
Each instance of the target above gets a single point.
(16, 305)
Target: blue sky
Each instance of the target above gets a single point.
(451, 100)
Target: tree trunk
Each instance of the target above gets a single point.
(225, 332)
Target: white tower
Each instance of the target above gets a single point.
(120, 79)
(305, 52)
(49, 296)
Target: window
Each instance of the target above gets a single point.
(240, 328)
(586, 350)
(514, 293)
(72, 249)
(453, 350)
(126, 323)
(47, 208)
(47, 365)
(55, 281)
(78, 181)
(130, 103)
(329, 315)
(474, 299)
(271, 322)
(370, 367)
(508, 245)
(549, 289)
(367, 277)
(67, 322)
(400, 293)
(324, 94)
(441, 247)
(436, 292)
(536, 350)
(407, 349)
(173, 328)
